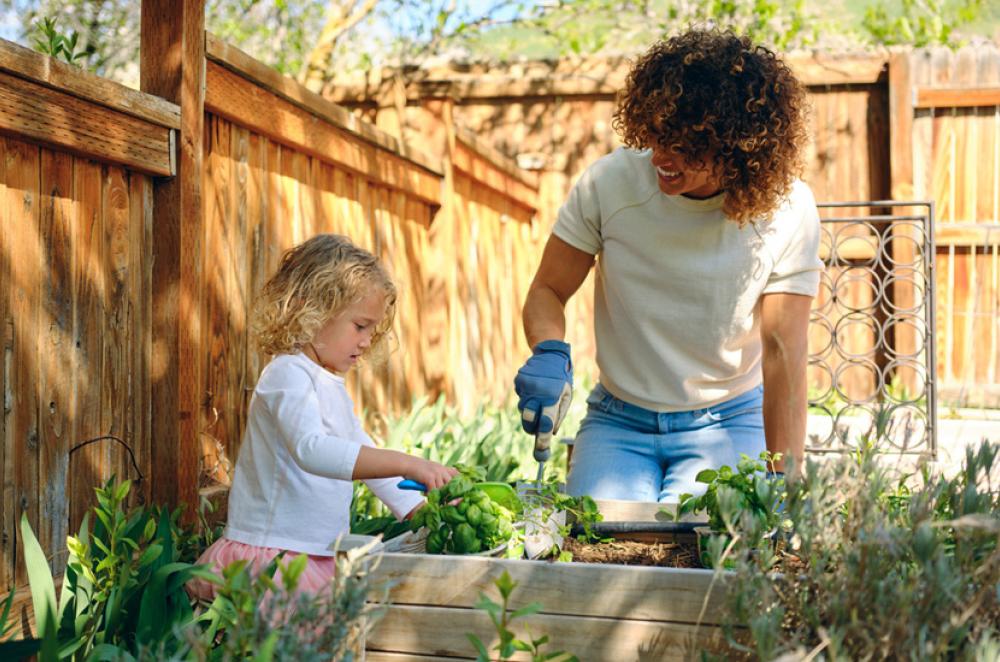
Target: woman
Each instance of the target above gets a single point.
(708, 263)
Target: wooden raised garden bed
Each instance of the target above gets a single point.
(596, 611)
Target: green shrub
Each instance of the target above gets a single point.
(878, 566)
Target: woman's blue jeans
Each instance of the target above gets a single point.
(626, 452)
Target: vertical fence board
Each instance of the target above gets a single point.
(88, 465)
(57, 356)
(26, 259)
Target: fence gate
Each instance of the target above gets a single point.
(872, 330)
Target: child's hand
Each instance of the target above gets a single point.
(430, 473)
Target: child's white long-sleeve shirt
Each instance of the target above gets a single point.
(292, 485)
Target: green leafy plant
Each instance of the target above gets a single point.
(265, 617)
(919, 22)
(462, 519)
(490, 437)
(51, 41)
(876, 564)
(747, 500)
(542, 506)
(503, 618)
(10, 646)
(123, 587)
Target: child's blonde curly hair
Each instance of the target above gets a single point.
(711, 92)
(315, 281)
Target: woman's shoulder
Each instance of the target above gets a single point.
(624, 172)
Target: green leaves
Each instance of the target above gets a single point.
(503, 617)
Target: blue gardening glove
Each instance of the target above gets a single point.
(541, 384)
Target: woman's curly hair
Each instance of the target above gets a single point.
(709, 93)
(315, 281)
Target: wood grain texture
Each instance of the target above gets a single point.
(40, 114)
(48, 71)
(442, 631)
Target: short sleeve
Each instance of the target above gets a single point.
(579, 220)
(797, 270)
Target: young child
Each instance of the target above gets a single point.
(329, 305)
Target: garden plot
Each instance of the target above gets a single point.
(596, 611)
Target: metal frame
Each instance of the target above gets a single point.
(891, 419)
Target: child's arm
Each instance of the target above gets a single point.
(382, 463)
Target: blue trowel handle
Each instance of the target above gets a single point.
(408, 484)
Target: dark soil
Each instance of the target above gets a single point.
(627, 552)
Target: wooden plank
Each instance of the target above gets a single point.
(488, 174)
(140, 291)
(259, 110)
(818, 70)
(967, 234)
(87, 465)
(39, 114)
(495, 157)
(956, 97)
(218, 195)
(643, 593)
(57, 351)
(22, 405)
(7, 526)
(442, 631)
(381, 656)
(50, 72)
(116, 352)
(178, 28)
(290, 90)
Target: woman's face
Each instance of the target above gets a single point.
(678, 176)
(344, 338)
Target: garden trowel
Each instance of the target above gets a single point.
(543, 440)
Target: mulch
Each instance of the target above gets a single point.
(627, 552)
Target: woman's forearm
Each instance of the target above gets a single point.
(544, 316)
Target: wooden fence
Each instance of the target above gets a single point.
(76, 169)
(907, 125)
(107, 286)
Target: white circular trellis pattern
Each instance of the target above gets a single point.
(871, 333)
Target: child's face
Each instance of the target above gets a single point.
(344, 338)
(678, 176)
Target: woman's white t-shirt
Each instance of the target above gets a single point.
(292, 485)
(678, 286)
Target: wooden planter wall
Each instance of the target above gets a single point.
(596, 611)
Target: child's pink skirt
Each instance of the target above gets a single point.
(315, 579)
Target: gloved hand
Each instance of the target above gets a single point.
(541, 384)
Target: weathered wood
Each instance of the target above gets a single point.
(642, 593)
(380, 656)
(50, 72)
(177, 28)
(21, 399)
(32, 112)
(256, 108)
(57, 352)
(295, 93)
(956, 97)
(488, 173)
(442, 631)
(968, 234)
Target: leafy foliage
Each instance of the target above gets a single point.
(123, 588)
(490, 438)
(876, 564)
(264, 618)
(462, 519)
(50, 41)
(503, 618)
(919, 22)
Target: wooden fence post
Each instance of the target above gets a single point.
(172, 66)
